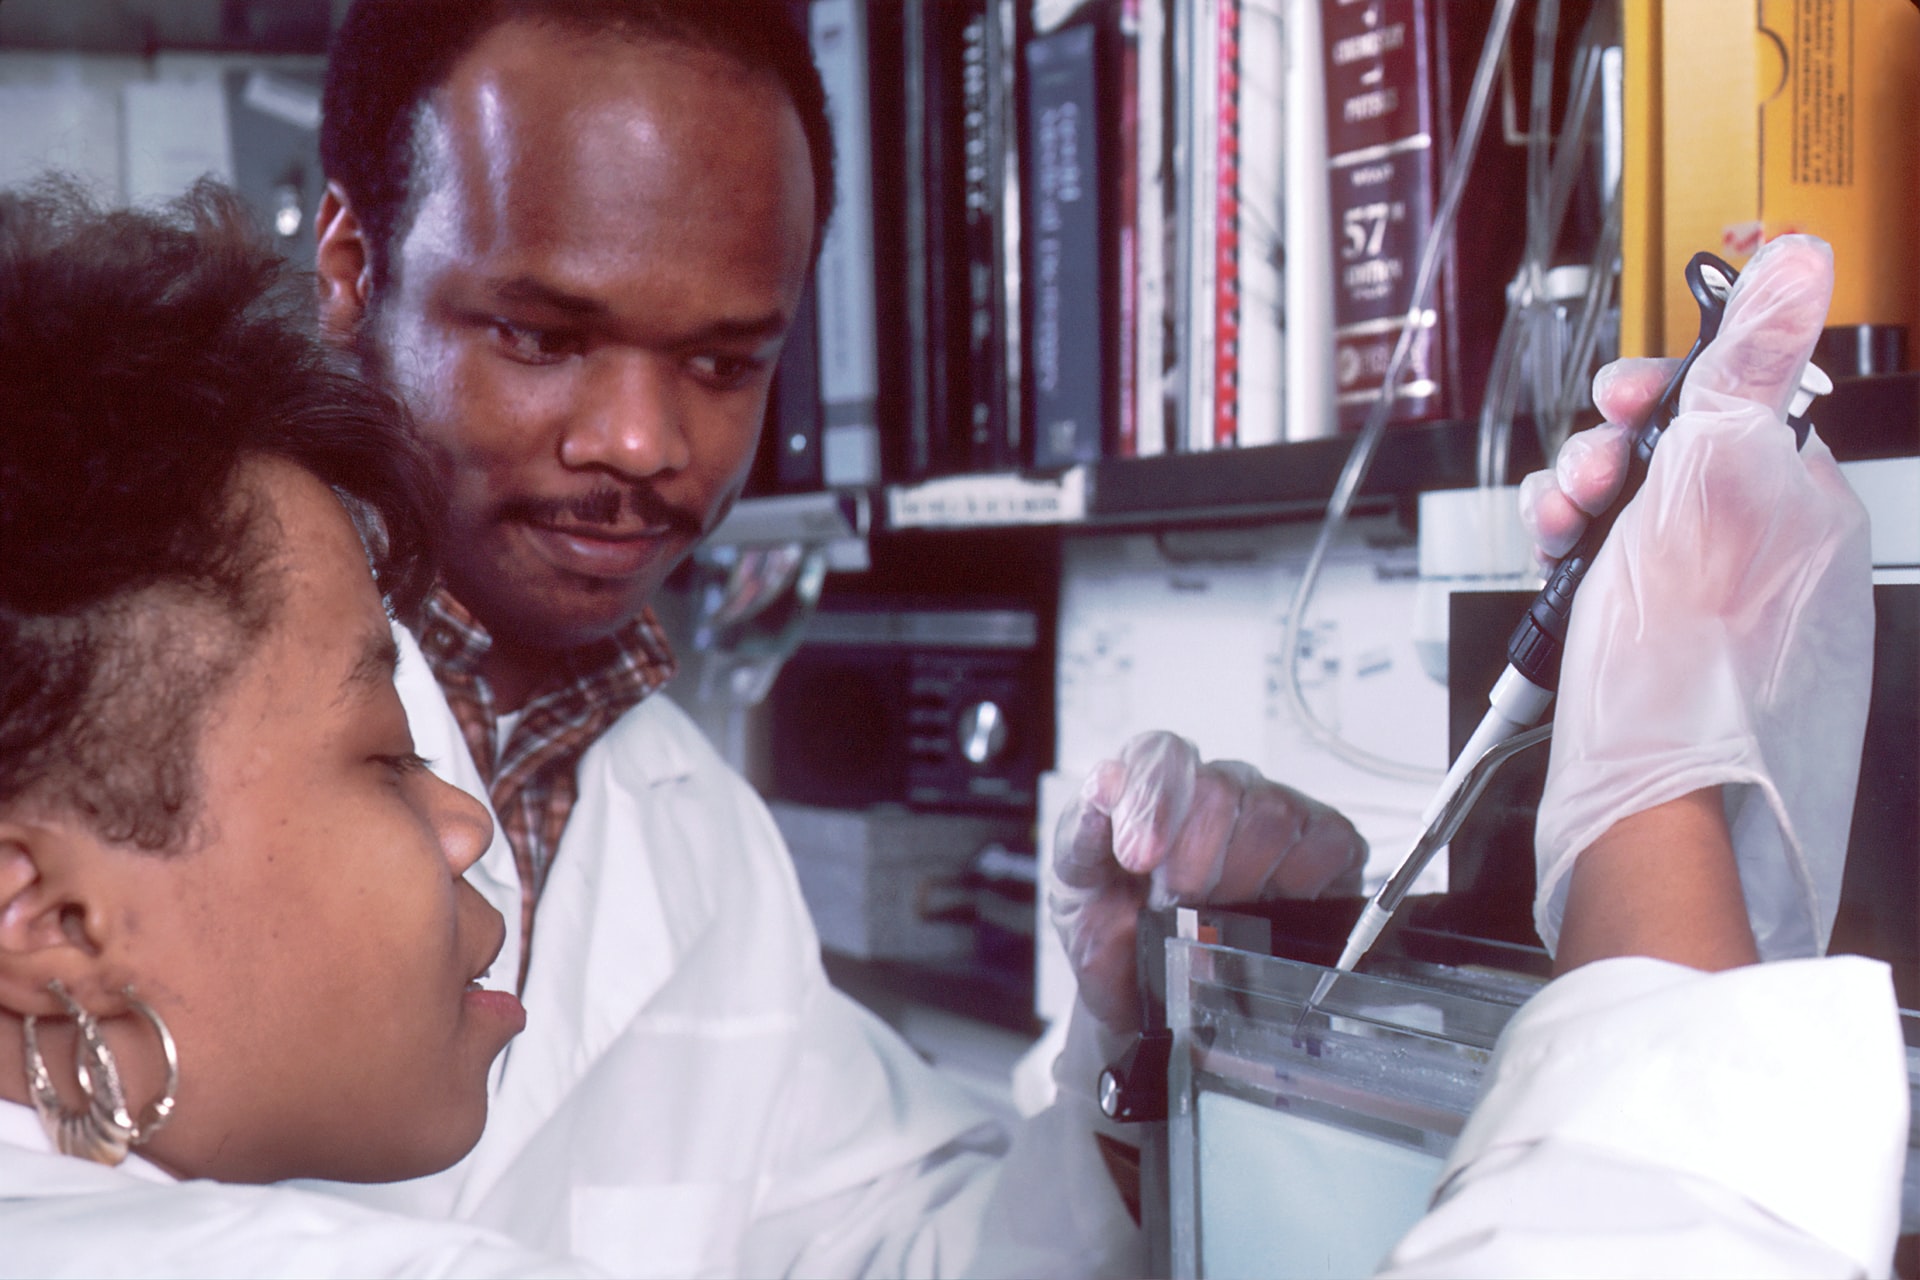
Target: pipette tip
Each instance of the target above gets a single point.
(1320, 990)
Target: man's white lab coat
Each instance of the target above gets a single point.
(692, 1097)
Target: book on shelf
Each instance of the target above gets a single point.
(920, 273)
(1066, 241)
(844, 277)
(788, 457)
(1397, 80)
(793, 418)
(1126, 219)
(1383, 130)
(1147, 168)
(988, 436)
(1231, 85)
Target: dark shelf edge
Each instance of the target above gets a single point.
(1864, 418)
(1297, 477)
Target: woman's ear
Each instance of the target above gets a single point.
(343, 261)
(46, 927)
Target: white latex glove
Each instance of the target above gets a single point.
(1724, 635)
(1159, 828)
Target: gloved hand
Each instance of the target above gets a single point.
(1157, 827)
(1724, 635)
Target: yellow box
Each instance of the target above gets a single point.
(1825, 144)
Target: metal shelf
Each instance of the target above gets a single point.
(1864, 418)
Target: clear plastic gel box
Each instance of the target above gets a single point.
(1312, 1155)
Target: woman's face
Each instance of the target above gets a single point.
(313, 951)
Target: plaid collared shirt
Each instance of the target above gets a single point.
(531, 778)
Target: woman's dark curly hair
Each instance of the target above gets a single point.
(144, 357)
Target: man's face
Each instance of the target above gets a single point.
(610, 241)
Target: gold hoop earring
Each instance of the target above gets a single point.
(106, 1129)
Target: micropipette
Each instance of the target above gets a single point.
(1524, 689)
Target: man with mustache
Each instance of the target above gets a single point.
(571, 235)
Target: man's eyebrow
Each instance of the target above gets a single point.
(529, 292)
(373, 668)
(753, 329)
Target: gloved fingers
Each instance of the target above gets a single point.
(1584, 479)
(1591, 466)
(1550, 517)
(1731, 515)
(1196, 852)
(1083, 842)
(1248, 838)
(1626, 390)
(1772, 321)
(1285, 845)
(1099, 931)
(1149, 797)
(1309, 848)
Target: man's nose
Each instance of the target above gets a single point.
(628, 418)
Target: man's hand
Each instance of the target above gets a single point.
(1157, 827)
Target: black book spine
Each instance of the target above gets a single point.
(983, 437)
(895, 235)
(794, 424)
(949, 310)
(1065, 239)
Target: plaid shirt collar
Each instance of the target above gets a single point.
(530, 777)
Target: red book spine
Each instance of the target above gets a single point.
(1226, 260)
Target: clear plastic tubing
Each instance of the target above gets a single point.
(1354, 472)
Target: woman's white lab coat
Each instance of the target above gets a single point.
(60, 1216)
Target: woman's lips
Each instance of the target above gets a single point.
(596, 553)
(501, 1005)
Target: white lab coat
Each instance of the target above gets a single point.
(1642, 1120)
(61, 1216)
(692, 1097)
(1645, 1119)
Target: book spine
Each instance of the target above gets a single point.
(1197, 172)
(897, 200)
(1153, 171)
(949, 251)
(795, 425)
(1005, 26)
(1381, 165)
(1307, 287)
(1126, 209)
(1226, 224)
(984, 119)
(917, 198)
(844, 278)
(1064, 260)
(1266, 97)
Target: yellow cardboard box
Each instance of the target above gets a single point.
(1749, 119)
